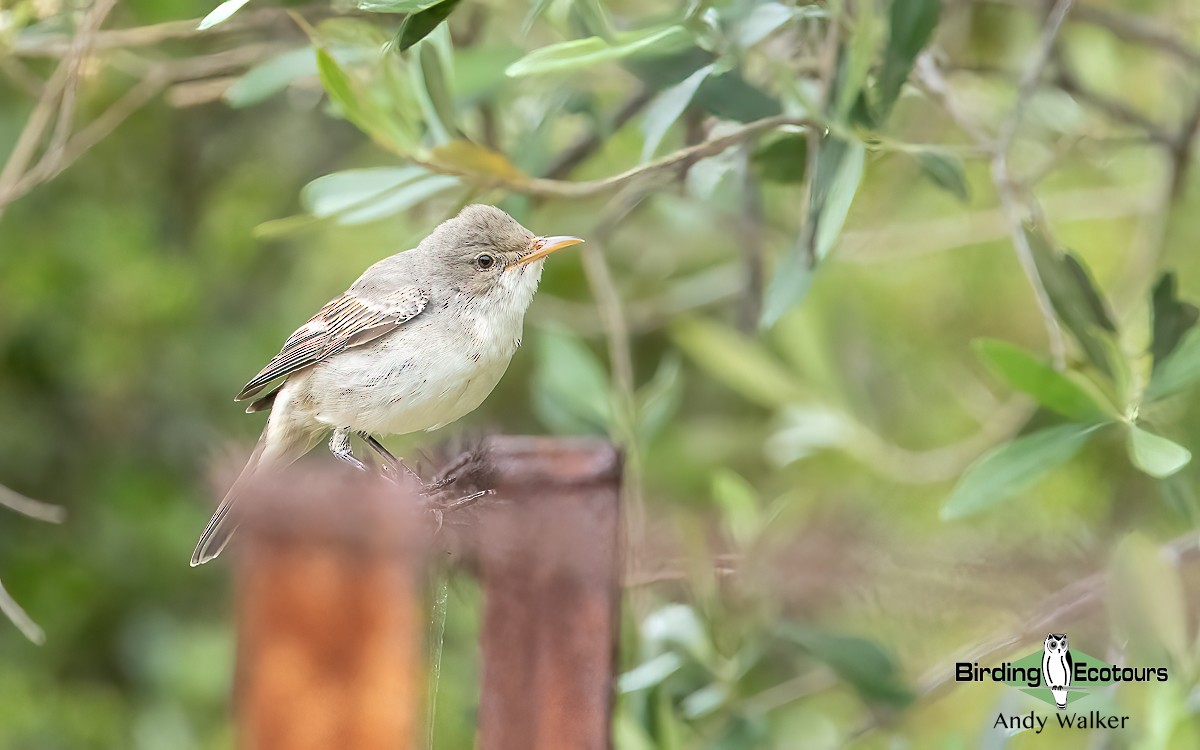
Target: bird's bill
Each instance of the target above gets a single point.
(543, 246)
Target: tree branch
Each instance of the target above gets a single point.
(10, 609)
(1127, 26)
(576, 153)
(57, 45)
(1007, 190)
(548, 188)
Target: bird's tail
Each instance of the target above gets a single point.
(275, 451)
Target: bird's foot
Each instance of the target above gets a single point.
(339, 446)
(439, 510)
(393, 467)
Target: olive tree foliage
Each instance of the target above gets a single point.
(772, 115)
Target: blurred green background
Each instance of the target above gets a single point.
(804, 405)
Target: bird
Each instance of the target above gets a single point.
(1057, 667)
(417, 342)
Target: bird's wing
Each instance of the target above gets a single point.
(345, 322)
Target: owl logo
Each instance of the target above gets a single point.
(1057, 668)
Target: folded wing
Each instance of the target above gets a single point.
(345, 322)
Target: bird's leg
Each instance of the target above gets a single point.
(392, 463)
(339, 446)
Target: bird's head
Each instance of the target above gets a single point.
(484, 252)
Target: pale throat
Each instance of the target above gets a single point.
(496, 319)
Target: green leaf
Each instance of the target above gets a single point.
(334, 193)
(1146, 601)
(356, 196)
(677, 626)
(659, 400)
(337, 82)
(665, 108)
(790, 281)
(418, 25)
(221, 13)
(857, 56)
(838, 174)
(582, 53)
(1154, 454)
(1059, 392)
(767, 18)
(650, 673)
(741, 364)
(1178, 370)
(269, 78)
(704, 701)
(1178, 492)
(1013, 467)
(396, 6)
(276, 228)
(783, 159)
(946, 171)
(739, 505)
(571, 391)
(480, 160)
(437, 103)
(1171, 318)
(1077, 301)
(858, 661)
(910, 26)
(593, 18)
(382, 105)
(628, 731)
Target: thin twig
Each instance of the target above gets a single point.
(1181, 156)
(566, 189)
(27, 506)
(57, 45)
(611, 312)
(1127, 26)
(578, 152)
(1067, 82)
(931, 79)
(10, 609)
(58, 96)
(1006, 188)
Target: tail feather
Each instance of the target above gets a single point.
(276, 449)
(221, 526)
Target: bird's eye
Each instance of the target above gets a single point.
(484, 261)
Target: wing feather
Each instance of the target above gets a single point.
(345, 322)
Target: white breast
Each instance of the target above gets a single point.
(430, 372)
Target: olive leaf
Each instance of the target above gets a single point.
(838, 174)
(1064, 392)
(665, 108)
(1013, 467)
(1171, 318)
(1154, 454)
(582, 53)
(946, 171)
(417, 26)
(1076, 299)
(910, 26)
(221, 13)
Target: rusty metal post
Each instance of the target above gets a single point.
(330, 616)
(550, 569)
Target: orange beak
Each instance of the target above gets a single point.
(543, 246)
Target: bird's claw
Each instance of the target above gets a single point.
(339, 446)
